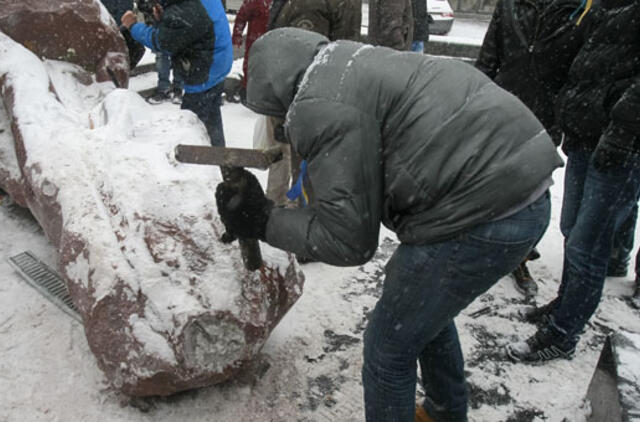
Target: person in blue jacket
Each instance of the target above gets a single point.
(196, 35)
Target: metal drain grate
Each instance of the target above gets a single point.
(44, 280)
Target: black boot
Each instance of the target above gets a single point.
(533, 255)
(159, 97)
(635, 298)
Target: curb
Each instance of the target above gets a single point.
(469, 52)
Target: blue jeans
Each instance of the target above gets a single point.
(425, 287)
(206, 105)
(623, 242)
(417, 46)
(594, 206)
(163, 67)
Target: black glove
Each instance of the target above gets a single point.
(243, 208)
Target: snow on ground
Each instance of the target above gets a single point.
(309, 370)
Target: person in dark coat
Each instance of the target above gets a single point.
(255, 13)
(391, 23)
(424, 150)
(598, 110)
(420, 25)
(116, 9)
(196, 35)
(335, 19)
(527, 50)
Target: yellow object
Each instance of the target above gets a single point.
(586, 9)
(421, 415)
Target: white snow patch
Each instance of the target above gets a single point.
(153, 342)
(8, 158)
(105, 16)
(78, 270)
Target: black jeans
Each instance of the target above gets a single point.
(206, 105)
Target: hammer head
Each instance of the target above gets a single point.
(228, 157)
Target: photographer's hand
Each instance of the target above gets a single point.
(128, 19)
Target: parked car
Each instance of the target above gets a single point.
(233, 5)
(442, 14)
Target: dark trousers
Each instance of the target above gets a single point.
(623, 243)
(425, 287)
(206, 105)
(163, 67)
(595, 205)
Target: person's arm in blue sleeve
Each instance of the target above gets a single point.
(147, 35)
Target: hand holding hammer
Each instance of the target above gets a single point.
(241, 202)
(244, 210)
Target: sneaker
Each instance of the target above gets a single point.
(524, 282)
(421, 415)
(542, 346)
(234, 98)
(617, 271)
(176, 95)
(159, 97)
(243, 96)
(539, 316)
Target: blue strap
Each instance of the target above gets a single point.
(297, 190)
(578, 9)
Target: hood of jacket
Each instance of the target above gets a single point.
(279, 60)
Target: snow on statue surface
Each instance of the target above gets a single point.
(166, 306)
(76, 31)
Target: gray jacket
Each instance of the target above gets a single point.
(429, 147)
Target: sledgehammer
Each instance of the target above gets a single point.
(231, 160)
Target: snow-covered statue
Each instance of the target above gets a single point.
(166, 306)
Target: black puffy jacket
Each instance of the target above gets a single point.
(600, 104)
(528, 50)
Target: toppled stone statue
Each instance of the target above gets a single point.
(166, 306)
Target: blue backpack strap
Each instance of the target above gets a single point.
(298, 190)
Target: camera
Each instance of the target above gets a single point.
(146, 8)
